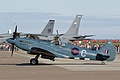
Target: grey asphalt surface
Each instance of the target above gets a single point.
(18, 68)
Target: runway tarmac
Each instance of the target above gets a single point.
(18, 68)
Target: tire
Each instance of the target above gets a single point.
(103, 63)
(33, 61)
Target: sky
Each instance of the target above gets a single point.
(100, 17)
(65, 7)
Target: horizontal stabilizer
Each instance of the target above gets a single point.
(82, 37)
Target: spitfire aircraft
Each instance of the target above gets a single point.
(51, 50)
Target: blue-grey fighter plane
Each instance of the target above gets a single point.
(50, 50)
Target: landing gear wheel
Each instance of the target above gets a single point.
(33, 61)
(103, 63)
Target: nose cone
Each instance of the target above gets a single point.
(10, 40)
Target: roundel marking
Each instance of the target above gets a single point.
(75, 51)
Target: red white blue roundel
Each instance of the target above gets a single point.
(75, 51)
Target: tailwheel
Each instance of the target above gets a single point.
(33, 61)
(103, 63)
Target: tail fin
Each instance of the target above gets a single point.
(49, 27)
(109, 50)
(75, 26)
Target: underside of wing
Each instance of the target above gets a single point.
(44, 53)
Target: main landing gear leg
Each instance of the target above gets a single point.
(34, 61)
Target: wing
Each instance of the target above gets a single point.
(44, 53)
(82, 37)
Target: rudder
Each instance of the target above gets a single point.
(108, 49)
(49, 27)
(74, 28)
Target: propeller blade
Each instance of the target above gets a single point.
(14, 36)
(59, 37)
(15, 33)
(12, 50)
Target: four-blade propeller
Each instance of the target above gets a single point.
(57, 37)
